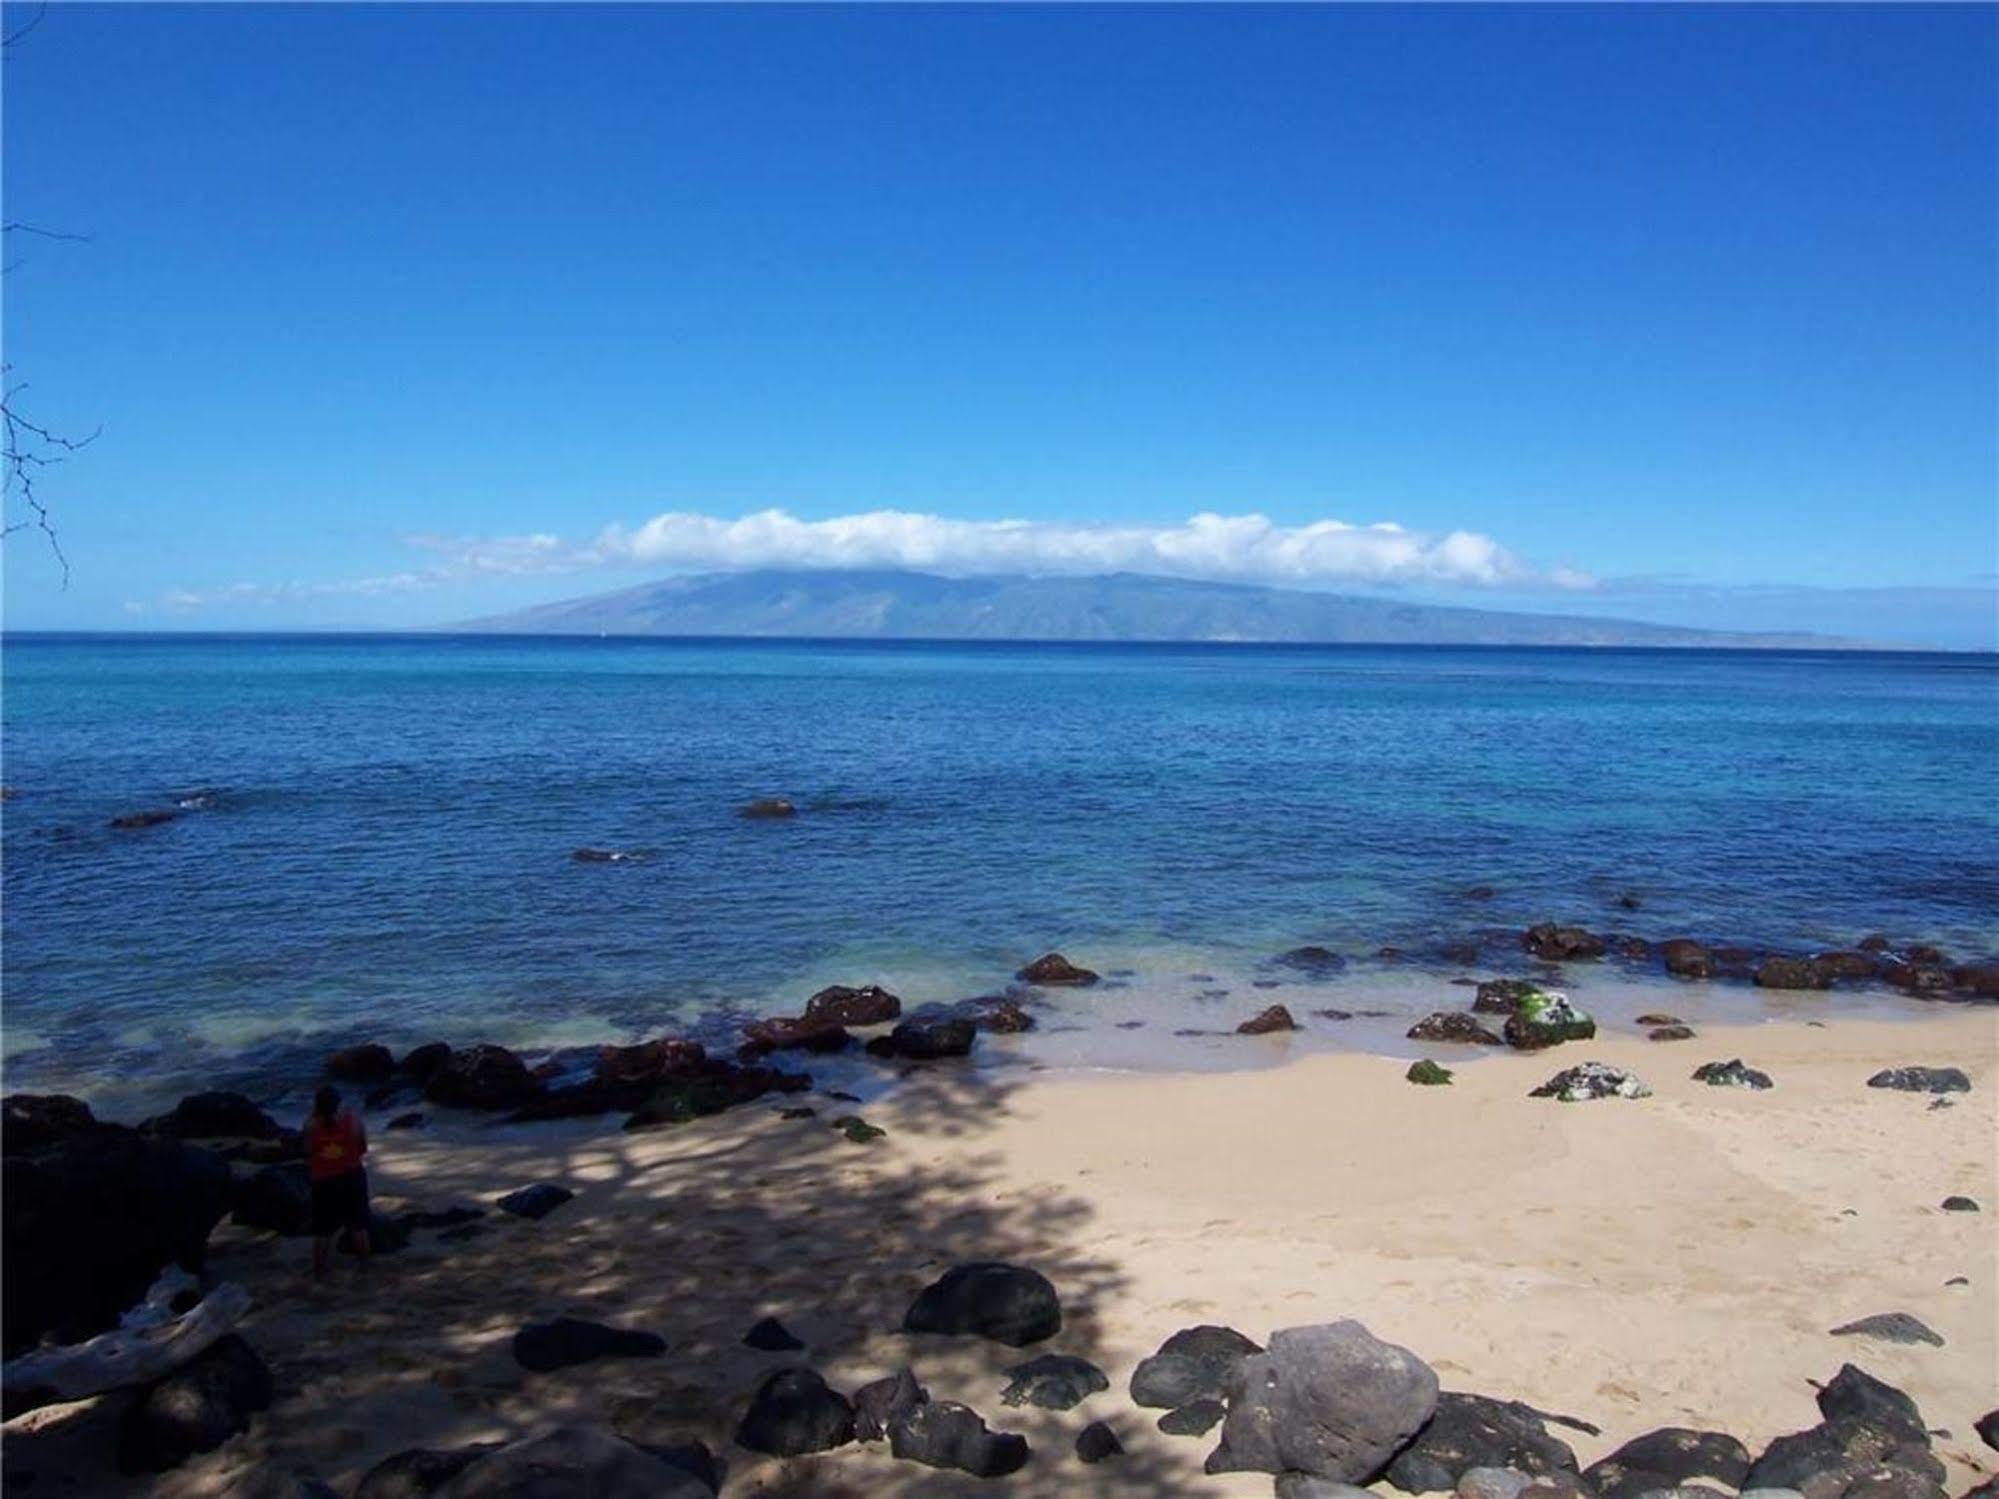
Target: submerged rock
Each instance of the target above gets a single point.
(944, 1434)
(1313, 962)
(1547, 1018)
(783, 1033)
(1008, 1303)
(1331, 1400)
(1276, 1018)
(1055, 1381)
(1922, 1080)
(1053, 968)
(361, 1064)
(1454, 1025)
(1196, 1363)
(1560, 944)
(1731, 1074)
(1005, 1017)
(928, 1038)
(1590, 1080)
(1685, 958)
(766, 808)
(127, 821)
(1792, 973)
(794, 1412)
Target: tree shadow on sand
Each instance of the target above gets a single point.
(695, 1233)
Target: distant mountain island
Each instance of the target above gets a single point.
(1119, 607)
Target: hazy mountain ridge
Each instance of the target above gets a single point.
(1119, 607)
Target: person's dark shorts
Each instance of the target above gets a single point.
(339, 1203)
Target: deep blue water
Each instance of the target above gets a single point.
(387, 849)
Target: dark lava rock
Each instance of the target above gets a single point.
(1847, 965)
(1922, 1080)
(88, 1221)
(1960, 1205)
(767, 807)
(1054, 1381)
(1916, 978)
(868, 1005)
(1196, 1363)
(1006, 1018)
(578, 1462)
(419, 1471)
(1632, 949)
(1590, 1080)
(1096, 1442)
(1334, 1015)
(1276, 1018)
(878, 1404)
(1475, 1431)
(1543, 1019)
(795, 1412)
(771, 1336)
(1792, 973)
(1053, 968)
(1008, 1303)
(1731, 1074)
(1987, 1427)
(582, 1100)
(782, 1033)
(481, 1077)
(1686, 959)
(929, 1038)
(1922, 952)
(717, 1088)
(1331, 1400)
(1671, 1033)
(361, 1064)
(130, 820)
(535, 1202)
(648, 1063)
(422, 1062)
(1454, 1025)
(944, 1434)
(1890, 1327)
(1428, 1074)
(1665, 1459)
(1479, 892)
(1502, 996)
(1660, 1020)
(1559, 944)
(1874, 942)
(858, 1130)
(1197, 1418)
(196, 1408)
(214, 1116)
(1981, 979)
(277, 1199)
(32, 1121)
(1463, 953)
(547, 1346)
(1855, 1395)
(1313, 962)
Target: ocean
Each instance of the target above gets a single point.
(374, 835)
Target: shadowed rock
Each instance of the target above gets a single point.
(1008, 1303)
(1475, 1431)
(197, 1408)
(481, 1077)
(1196, 1418)
(877, 1405)
(582, 1462)
(419, 1471)
(795, 1412)
(1196, 1363)
(944, 1434)
(769, 1335)
(546, 1346)
(214, 1116)
(361, 1064)
(535, 1202)
(32, 1121)
(1096, 1442)
(1054, 1381)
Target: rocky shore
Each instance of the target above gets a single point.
(1755, 1260)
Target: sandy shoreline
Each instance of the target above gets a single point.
(1675, 1260)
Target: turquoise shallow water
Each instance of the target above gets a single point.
(381, 846)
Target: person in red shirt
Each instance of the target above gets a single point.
(335, 1142)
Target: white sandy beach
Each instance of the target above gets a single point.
(1676, 1260)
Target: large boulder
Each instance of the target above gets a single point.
(1331, 1400)
(1196, 1363)
(787, 1033)
(880, 1402)
(868, 1005)
(713, 1089)
(575, 1462)
(1792, 973)
(544, 1347)
(1980, 979)
(1008, 1303)
(1454, 1025)
(794, 1411)
(925, 1038)
(1547, 1018)
(87, 1224)
(1919, 979)
(361, 1064)
(1313, 962)
(648, 1062)
(197, 1408)
(421, 1063)
(1560, 944)
(1855, 1395)
(944, 1434)
(1475, 1431)
(214, 1116)
(277, 1199)
(481, 1077)
(1053, 968)
(1665, 1459)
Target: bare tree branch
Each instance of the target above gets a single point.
(20, 228)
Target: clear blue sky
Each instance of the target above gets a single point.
(1696, 301)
